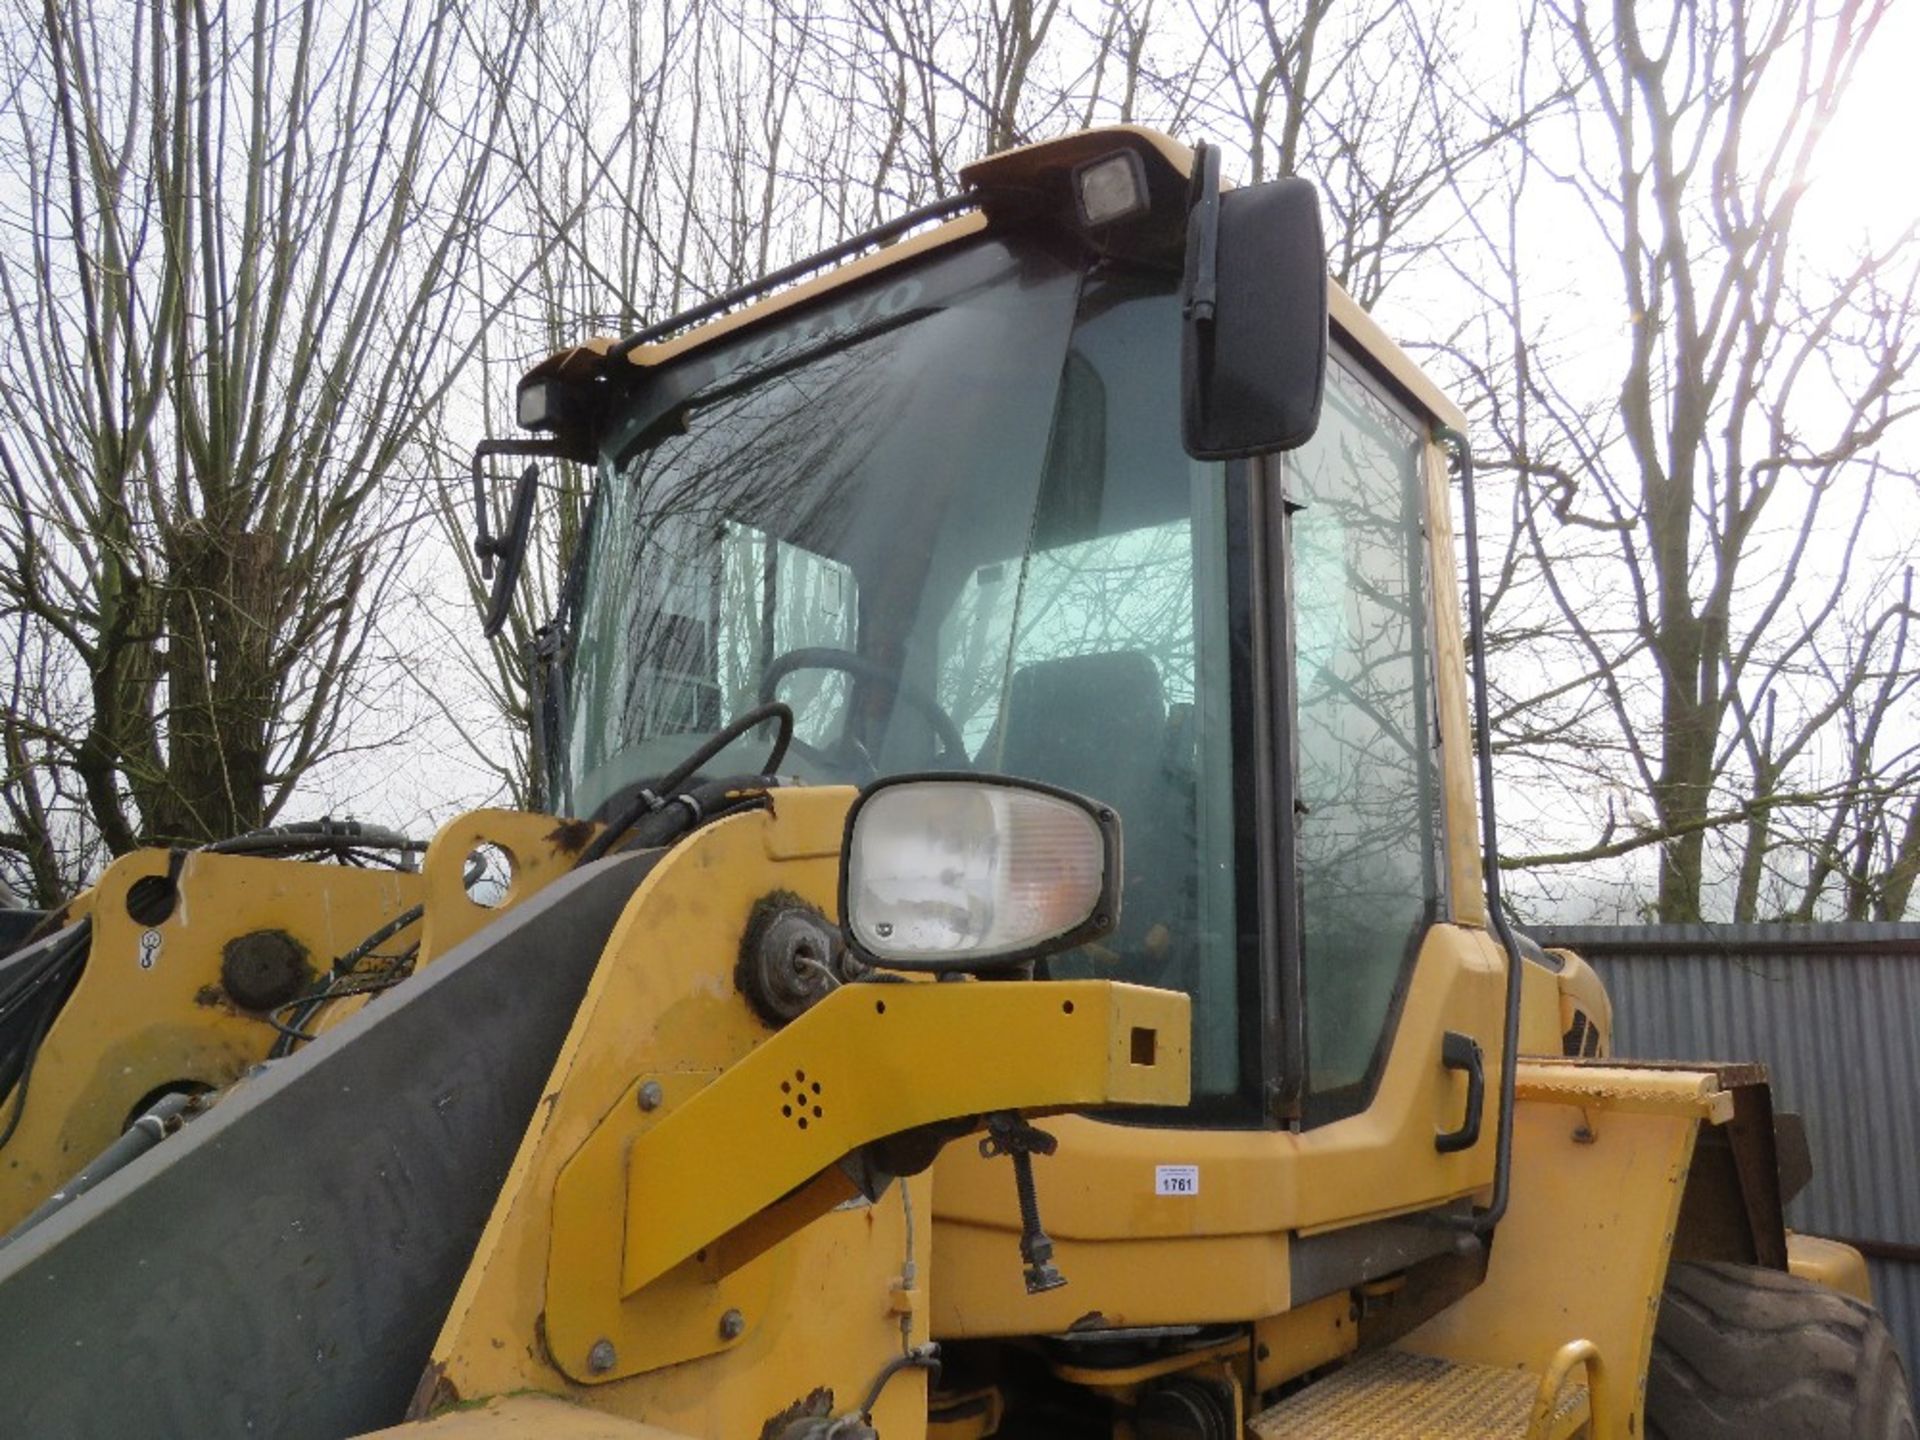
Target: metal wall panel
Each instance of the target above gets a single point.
(1834, 1012)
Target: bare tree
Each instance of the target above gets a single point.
(1707, 557)
(1367, 101)
(769, 128)
(231, 300)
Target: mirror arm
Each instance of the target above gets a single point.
(486, 545)
(1203, 287)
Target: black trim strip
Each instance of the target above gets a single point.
(1261, 856)
(1278, 781)
(1335, 1260)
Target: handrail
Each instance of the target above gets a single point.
(866, 240)
(1482, 1222)
(1546, 1401)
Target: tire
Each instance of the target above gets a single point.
(1741, 1353)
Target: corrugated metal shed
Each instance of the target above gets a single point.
(1834, 1012)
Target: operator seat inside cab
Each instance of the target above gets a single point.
(1098, 724)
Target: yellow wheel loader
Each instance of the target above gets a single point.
(1016, 950)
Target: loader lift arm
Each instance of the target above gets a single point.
(795, 1128)
(677, 1224)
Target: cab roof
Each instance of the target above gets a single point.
(1042, 168)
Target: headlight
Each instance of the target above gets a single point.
(539, 405)
(957, 873)
(1114, 187)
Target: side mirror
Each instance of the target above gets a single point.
(1253, 354)
(510, 548)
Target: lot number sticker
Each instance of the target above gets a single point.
(1176, 1180)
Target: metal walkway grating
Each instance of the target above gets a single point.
(1397, 1395)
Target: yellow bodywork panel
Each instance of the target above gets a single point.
(1831, 1263)
(1302, 1339)
(866, 1062)
(1600, 1160)
(527, 1417)
(1219, 1252)
(1694, 1094)
(871, 1061)
(734, 1322)
(538, 849)
(149, 1012)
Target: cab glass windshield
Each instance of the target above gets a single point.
(948, 519)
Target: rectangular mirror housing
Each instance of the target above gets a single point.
(1253, 355)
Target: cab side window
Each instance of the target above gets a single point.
(1365, 820)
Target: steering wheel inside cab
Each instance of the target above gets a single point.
(848, 757)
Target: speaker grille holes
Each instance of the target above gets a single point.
(802, 1100)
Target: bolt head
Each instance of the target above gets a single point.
(601, 1358)
(651, 1095)
(732, 1325)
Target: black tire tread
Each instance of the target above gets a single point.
(1742, 1353)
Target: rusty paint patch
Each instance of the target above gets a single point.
(434, 1393)
(816, 1406)
(570, 837)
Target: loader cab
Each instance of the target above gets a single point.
(948, 516)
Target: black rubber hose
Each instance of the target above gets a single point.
(324, 991)
(345, 963)
(306, 835)
(149, 1130)
(689, 809)
(651, 801)
(1483, 1221)
(40, 992)
(26, 971)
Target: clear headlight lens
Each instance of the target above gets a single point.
(957, 872)
(1111, 188)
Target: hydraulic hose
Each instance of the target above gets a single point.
(651, 801)
(306, 835)
(166, 1116)
(688, 809)
(34, 985)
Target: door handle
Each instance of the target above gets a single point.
(1462, 1052)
